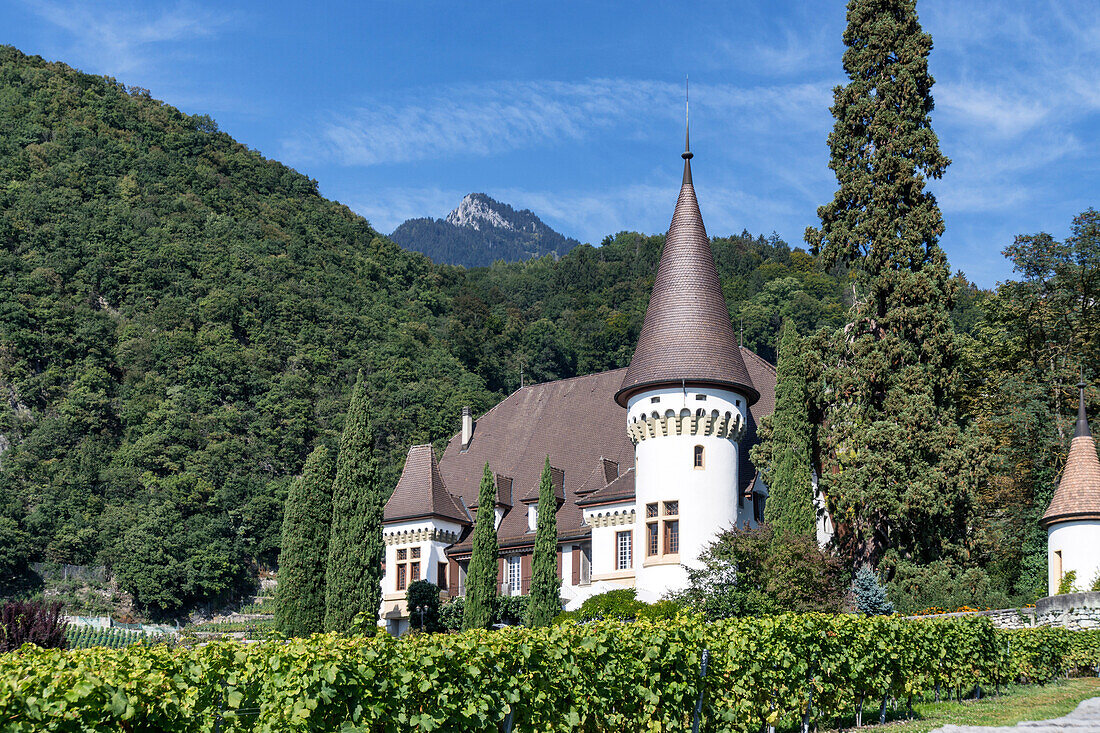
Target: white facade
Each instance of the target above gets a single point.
(1073, 547)
(687, 444)
(415, 550)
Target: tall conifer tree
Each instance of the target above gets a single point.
(899, 473)
(303, 557)
(354, 579)
(544, 599)
(786, 448)
(481, 580)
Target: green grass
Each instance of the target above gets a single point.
(1019, 702)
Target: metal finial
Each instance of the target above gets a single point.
(687, 124)
(1082, 428)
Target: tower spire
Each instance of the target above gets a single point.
(687, 154)
(1082, 428)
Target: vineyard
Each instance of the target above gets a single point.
(85, 637)
(602, 676)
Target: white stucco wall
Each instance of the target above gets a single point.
(665, 472)
(1079, 543)
(405, 536)
(606, 521)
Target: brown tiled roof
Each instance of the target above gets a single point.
(618, 490)
(687, 335)
(421, 492)
(557, 480)
(583, 430)
(1078, 493)
(574, 421)
(763, 378)
(604, 473)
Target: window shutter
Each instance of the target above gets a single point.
(452, 576)
(576, 564)
(559, 562)
(525, 573)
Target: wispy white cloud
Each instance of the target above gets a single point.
(121, 38)
(478, 120)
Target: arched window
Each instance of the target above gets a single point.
(699, 456)
(670, 413)
(700, 412)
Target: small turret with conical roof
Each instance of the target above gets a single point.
(1073, 517)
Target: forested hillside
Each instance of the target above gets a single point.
(181, 319)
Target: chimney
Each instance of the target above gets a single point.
(467, 427)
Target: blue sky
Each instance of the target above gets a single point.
(575, 109)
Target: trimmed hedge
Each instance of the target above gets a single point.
(602, 676)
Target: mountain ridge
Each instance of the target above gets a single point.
(481, 231)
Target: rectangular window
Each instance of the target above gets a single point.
(586, 564)
(672, 508)
(651, 548)
(416, 553)
(401, 578)
(441, 576)
(672, 536)
(651, 510)
(514, 574)
(654, 400)
(698, 456)
(402, 555)
(700, 397)
(624, 542)
(414, 572)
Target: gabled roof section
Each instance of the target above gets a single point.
(687, 336)
(557, 480)
(1078, 493)
(619, 490)
(421, 492)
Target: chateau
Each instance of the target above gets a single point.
(649, 463)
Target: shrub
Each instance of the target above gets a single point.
(425, 594)
(1068, 583)
(752, 572)
(506, 610)
(943, 584)
(31, 622)
(870, 596)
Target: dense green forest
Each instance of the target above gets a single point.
(182, 321)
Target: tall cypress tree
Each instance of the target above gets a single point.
(544, 599)
(481, 580)
(786, 447)
(899, 471)
(354, 578)
(303, 557)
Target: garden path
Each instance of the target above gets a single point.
(1085, 718)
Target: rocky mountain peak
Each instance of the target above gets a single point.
(478, 210)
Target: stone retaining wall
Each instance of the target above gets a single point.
(1077, 611)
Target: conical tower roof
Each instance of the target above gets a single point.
(687, 336)
(421, 492)
(1078, 493)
